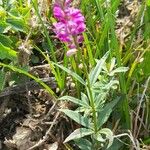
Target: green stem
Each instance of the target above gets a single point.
(122, 80)
(13, 68)
(88, 86)
(124, 91)
(76, 69)
(20, 3)
(44, 28)
(35, 5)
(100, 10)
(90, 92)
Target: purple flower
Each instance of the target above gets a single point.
(70, 25)
(58, 13)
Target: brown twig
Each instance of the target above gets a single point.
(45, 138)
(51, 109)
(139, 108)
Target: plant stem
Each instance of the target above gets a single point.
(90, 92)
(20, 3)
(51, 66)
(88, 84)
(124, 92)
(44, 28)
(122, 80)
(35, 5)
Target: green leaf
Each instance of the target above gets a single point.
(77, 117)
(7, 53)
(109, 135)
(84, 98)
(89, 49)
(76, 76)
(96, 71)
(118, 70)
(10, 2)
(104, 114)
(111, 84)
(4, 27)
(99, 138)
(74, 100)
(145, 64)
(25, 11)
(78, 133)
(17, 24)
(112, 64)
(15, 13)
(2, 13)
(83, 144)
(116, 145)
(13, 68)
(5, 40)
(148, 2)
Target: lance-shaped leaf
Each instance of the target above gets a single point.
(73, 74)
(7, 53)
(98, 68)
(109, 135)
(77, 117)
(104, 114)
(78, 133)
(74, 100)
